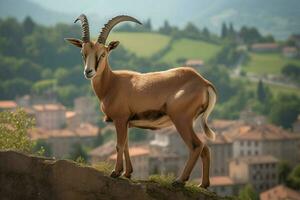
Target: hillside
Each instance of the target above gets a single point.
(191, 49)
(28, 177)
(267, 63)
(147, 44)
(142, 44)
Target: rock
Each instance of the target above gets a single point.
(30, 177)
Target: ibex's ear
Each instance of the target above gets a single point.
(112, 45)
(76, 42)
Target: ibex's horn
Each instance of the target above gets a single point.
(84, 28)
(111, 23)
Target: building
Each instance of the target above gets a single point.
(264, 47)
(103, 152)
(86, 110)
(195, 63)
(280, 192)
(73, 120)
(265, 139)
(139, 157)
(221, 153)
(261, 171)
(50, 116)
(296, 39)
(61, 141)
(224, 185)
(169, 153)
(290, 52)
(8, 105)
(296, 125)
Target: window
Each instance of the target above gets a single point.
(256, 143)
(242, 153)
(249, 143)
(242, 143)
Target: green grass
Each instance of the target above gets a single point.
(267, 63)
(142, 44)
(275, 89)
(191, 49)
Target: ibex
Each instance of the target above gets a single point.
(147, 100)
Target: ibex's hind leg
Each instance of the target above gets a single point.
(205, 157)
(185, 128)
(128, 169)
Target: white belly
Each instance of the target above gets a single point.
(162, 122)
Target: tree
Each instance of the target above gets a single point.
(148, 25)
(284, 169)
(13, 131)
(285, 110)
(28, 25)
(205, 32)
(294, 178)
(292, 71)
(248, 193)
(224, 30)
(78, 151)
(231, 31)
(166, 28)
(99, 140)
(260, 91)
(137, 135)
(191, 31)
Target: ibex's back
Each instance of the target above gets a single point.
(152, 97)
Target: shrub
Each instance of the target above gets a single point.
(13, 131)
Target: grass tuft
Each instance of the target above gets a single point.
(104, 167)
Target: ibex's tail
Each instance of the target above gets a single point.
(212, 97)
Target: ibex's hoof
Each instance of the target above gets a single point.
(127, 175)
(115, 174)
(178, 183)
(203, 185)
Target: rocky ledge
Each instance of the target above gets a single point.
(30, 177)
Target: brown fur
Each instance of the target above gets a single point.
(152, 100)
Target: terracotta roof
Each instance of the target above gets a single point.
(264, 46)
(221, 181)
(70, 114)
(106, 149)
(48, 107)
(84, 130)
(220, 139)
(289, 50)
(259, 132)
(224, 124)
(194, 62)
(133, 151)
(257, 159)
(280, 192)
(8, 104)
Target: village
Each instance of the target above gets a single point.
(245, 151)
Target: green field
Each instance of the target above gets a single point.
(275, 89)
(142, 44)
(191, 49)
(267, 63)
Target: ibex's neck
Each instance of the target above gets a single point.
(102, 81)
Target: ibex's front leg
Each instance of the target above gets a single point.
(128, 164)
(121, 129)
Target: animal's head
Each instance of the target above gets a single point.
(95, 53)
